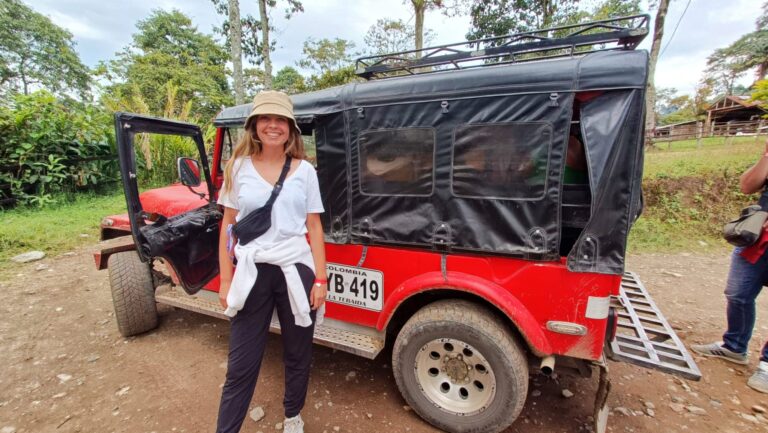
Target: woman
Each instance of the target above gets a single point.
(277, 269)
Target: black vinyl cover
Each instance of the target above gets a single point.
(473, 160)
(161, 236)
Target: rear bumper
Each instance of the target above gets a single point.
(644, 337)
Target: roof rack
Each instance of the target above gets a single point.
(564, 41)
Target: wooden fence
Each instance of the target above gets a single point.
(699, 130)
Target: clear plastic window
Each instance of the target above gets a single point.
(231, 138)
(501, 160)
(157, 156)
(397, 161)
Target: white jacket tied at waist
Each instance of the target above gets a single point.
(286, 255)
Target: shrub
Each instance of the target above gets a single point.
(50, 146)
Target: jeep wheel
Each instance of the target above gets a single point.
(133, 293)
(460, 369)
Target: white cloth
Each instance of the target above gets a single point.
(286, 256)
(284, 244)
(300, 196)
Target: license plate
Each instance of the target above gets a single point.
(357, 287)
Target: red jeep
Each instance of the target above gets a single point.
(454, 229)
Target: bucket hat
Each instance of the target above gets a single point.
(272, 102)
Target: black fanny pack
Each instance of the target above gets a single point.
(747, 228)
(259, 221)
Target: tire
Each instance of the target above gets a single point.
(133, 293)
(460, 369)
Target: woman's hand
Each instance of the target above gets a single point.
(317, 294)
(223, 292)
(226, 269)
(320, 285)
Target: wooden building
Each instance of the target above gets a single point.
(676, 131)
(733, 115)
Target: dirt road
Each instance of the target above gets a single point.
(67, 369)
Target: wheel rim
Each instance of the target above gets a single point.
(455, 377)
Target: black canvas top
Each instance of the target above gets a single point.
(473, 160)
(601, 70)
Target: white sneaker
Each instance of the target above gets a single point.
(759, 380)
(293, 425)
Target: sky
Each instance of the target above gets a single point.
(102, 28)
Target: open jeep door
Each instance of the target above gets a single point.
(186, 241)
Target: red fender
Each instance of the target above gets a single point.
(493, 293)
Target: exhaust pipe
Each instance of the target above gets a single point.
(547, 365)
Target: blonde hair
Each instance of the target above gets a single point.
(250, 144)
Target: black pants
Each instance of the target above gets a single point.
(248, 339)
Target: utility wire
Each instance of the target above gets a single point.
(675, 30)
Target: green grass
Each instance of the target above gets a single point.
(651, 234)
(662, 228)
(683, 158)
(55, 229)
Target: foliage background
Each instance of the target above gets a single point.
(53, 146)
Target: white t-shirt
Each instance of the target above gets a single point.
(300, 196)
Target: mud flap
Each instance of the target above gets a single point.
(601, 410)
(644, 337)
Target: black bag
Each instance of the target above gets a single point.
(746, 229)
(158, 238)
(259, 221)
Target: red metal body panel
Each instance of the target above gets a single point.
(216, 174)
(528, 293)
(172, 200)
(168, 201)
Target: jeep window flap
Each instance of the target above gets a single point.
(612, 127)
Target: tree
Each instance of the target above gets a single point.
(289, 80)
(250, 29)
(615, 8)
(664, 98)
(419, 8)
(326, 55)
(390, 36)
(751, 50)
(489, 18)
(650, 94)
(331, 60)
(332, 78)
(723, 70)
(760, 93)
(168, 50)
(236, 51)
(702, 94)
(234, 36)
(265, 48)
(680, 108)
(294, 6)
(35, 53)
(256, 44)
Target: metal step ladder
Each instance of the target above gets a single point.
(355, 339)
(644, 337)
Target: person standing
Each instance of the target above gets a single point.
(746, 277)
(278, 270)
